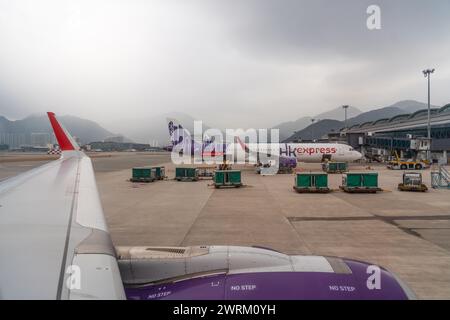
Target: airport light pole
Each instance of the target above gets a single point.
(312, 129)
(427, 73)
(345, 107)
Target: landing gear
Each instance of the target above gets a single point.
(326, 158)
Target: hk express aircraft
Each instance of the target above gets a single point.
(306, 152)
(54, 244)
(302, 152)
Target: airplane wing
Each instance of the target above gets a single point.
(54, 243)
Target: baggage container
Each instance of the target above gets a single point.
(412, 181)
(311, 182)
(360, 182)
(186, 174)
(227, 178)
(335, 167)
(143, 175)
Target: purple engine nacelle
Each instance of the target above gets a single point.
(257, 274)
(288, 162)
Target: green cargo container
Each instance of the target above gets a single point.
(335, 167)
(311, 182)
(142, 175)
(186, 174)
(160, 172)
(370, 180)
(360, 182)
(227, 178)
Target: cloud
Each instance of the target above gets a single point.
(235, 63)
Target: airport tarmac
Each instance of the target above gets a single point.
(405, 232)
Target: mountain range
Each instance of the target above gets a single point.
(153, 130)
(288, 128)
(320, 128)
(35, 129)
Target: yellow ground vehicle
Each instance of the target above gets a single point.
(400, 164)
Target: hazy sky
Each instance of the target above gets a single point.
(234, 63)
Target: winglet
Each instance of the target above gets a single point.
(65, 140)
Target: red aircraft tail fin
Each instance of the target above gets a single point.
(65, 140)
(243, 145)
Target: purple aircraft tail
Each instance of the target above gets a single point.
(181, 139)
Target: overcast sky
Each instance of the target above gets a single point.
(232, 63)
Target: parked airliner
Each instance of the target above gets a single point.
(301, 152)
(306, 152)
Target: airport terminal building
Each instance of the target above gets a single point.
(405, 133)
